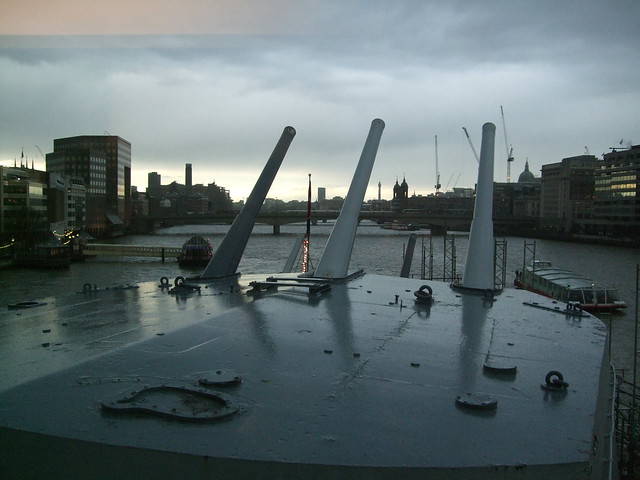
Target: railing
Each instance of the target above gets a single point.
(131, 250)
(628, 407)
(627, 431)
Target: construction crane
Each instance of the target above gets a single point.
(448, 182)
(509, 149)
(437, 170)
(456, 182)
(471, 144)
(41, 154)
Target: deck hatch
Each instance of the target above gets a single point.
(174, 402)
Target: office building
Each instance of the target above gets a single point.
(322, 194)
(154, 181)
(23, 203)
(567, 193)
(104, 163)
(67, 203)
(616, 206)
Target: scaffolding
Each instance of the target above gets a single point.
(626, 408)
(450, 259)
(500, 264)
(426, 266)
(427, 270)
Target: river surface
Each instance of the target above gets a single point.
(375, 251)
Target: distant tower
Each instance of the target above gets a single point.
(404, 189)
(154, 180)
(379, 191)
(322, 194)
(400, 196)
(187, 175)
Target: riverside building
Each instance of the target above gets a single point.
(23, 200)
(616, 204)
(104, 163)
(567, 193)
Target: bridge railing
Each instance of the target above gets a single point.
(131, 250)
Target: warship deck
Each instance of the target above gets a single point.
(357, 381)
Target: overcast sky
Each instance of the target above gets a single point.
(214, 82)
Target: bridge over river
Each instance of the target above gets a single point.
(437, 222)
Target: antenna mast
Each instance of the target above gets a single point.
(307, 236)
(506, 143)
(437, 170)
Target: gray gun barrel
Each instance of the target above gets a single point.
(478, 270)
(227, 257)
(337, 253)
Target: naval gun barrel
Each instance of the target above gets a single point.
(227, 257)
(478, 270)
(334, 262)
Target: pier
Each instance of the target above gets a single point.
(131, 250)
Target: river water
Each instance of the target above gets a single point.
(375, 251)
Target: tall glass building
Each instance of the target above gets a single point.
(104, 162)
(617, 194)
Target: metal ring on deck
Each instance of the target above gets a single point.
(87, 287)
(179, 280)
(164, 282)
(422, 296)
(554, 381)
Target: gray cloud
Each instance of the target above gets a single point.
(566, 72)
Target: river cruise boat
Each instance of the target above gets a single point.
(196, 252)
(569, 287)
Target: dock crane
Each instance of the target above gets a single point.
(471, 144)
(437, 170)
(509, 149)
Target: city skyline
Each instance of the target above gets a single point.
(214, 83)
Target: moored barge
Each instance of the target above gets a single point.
(566, 286)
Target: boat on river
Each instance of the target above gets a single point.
(569, 287)
(196, 252)
(332, 374)
(403, 227)
(50, 253)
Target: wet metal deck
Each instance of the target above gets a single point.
(355, 382)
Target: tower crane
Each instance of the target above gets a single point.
(456, 182)
(509, 149)
(437, 170)
(471, 144)
(448, 182)
(42, 154)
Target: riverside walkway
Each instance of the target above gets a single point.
(131, 250)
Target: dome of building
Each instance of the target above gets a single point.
(526, 176)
